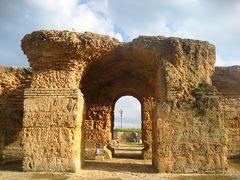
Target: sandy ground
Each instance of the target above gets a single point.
(123, 166)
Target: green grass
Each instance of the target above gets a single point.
(131, 143)
(127, 130)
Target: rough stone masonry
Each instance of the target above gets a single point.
(55, 115)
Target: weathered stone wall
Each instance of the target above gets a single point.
(147, 124)
(98, 127)
(13, 81)
(231, 115)
(190, 142)
(120, 73)
(59, 60)
(52, 129)
(227, 81)
(187, 130)
(97, 130)
(185, 140)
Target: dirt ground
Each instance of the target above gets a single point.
(125, 165)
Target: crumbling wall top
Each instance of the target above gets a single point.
(50, 47)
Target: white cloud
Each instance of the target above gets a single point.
(70, 14)
(19, 17)
(212, 20)
(215, 21)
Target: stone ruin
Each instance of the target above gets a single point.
(56, 113)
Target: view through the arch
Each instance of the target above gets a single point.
(127, 132)
(130, 108)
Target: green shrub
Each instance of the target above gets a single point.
(204, 88)
(203, 94)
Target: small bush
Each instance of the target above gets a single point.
(204, 88)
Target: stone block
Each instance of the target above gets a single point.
(99, 157)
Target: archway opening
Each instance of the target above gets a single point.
(127, 128)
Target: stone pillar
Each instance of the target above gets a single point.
(163, 139)
(52, 129)
(97, 130)
(147, 115)
(188, 140)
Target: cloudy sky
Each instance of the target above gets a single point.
(216, 21)
(131, 116)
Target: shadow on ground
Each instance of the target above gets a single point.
(127, 166)
(116, 166)
(127, 156)
(114, 169)
(128, 151)
(15, 166)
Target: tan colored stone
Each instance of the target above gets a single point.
(227, 81)
(78, 77)
(13, 81)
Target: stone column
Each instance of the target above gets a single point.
(97, 130)
(190, 140)
(163, 139)
(147, 116)
(53, 106)
(52, 129)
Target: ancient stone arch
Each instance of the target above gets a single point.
(77, 78)
(123, 72)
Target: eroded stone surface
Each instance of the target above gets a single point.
(227, 81)
(182, 133)
(13, 81)
(52, 130)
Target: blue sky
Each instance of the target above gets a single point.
(216, 21)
